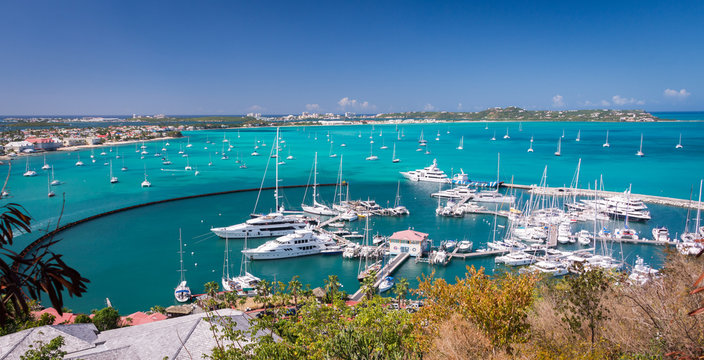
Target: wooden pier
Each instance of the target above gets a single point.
(329, 221)
(387, 270)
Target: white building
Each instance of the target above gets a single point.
(409, 241)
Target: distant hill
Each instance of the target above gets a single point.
(513, 113)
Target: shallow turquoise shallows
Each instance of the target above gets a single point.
(131, 257)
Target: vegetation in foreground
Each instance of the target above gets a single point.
(595, 315)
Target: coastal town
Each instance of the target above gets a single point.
(38, 134)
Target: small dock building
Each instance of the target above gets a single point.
(415, 243)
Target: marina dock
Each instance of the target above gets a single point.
(387, 270)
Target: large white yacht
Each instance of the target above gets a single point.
(429, 174)
(270, 225)
(300, 243)
(273, 224)
(620, 206)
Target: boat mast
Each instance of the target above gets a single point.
(276, 184)
(315, 179)
(699, 207)
(180, 252)
(498, 163)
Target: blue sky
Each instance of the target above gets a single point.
(276, 57)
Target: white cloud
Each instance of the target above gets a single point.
(459, 106)
(347, 103)
(605, 103)
(620, 100)
(312, 107)
(681, 94)
(558, 101)
(428, 107)
(255, 108)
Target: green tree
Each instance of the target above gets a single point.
(295, 289)
(581, 300)
(106, 318)
(497, 306)
(211, 288)
(263, 296)
(158, 309)
(332, 289)
(401, 290)
(42, 351)
(82, 319)
(34, 272)
(368, 283)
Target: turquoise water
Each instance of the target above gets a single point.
(131, 257)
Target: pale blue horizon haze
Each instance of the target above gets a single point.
(278, 57)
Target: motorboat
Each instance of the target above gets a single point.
(493, 196)
(552, 268)
(625, 234)
(584, 238)
(464, 246)
(386, 284)
(661, 234)
(641, 273)
(515, 258)
(428, 174)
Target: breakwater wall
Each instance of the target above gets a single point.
(565, 191)
(67, 226)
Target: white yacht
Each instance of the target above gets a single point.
(661, 234)
(459, 192)
(547, 267)
(493, 196)
(641, 273)
(47, 166)
(428, 174)
(300, 243)
(273, 224)
(516, 258)
(146, 182)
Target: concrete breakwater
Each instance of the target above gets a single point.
(565, 191)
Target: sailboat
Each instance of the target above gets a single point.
(29, 172)
(461, 143)
(54, 182)
(317, 208)
(394, 159)
(210, 159)
(579, 133)
(47, 166)
(79, 162)
(530, 149)
(182, 292)
(520, 126)
(364, 271)
(383, 146)
(506, 136)
(166, 160)
(146, 182)
(679, 144)
(421, 141)
(559, 146)
(124, 168)
(189, 142)
(371, 156)
(493, 137)
(606, 144)
(48, 186)
(437, 137)
(640, 151)
(290, 157)
(563, 133)
(117, 153)
(188, 165)
(224, 156)
(245, 283)
(331, 153)
(113, 179)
